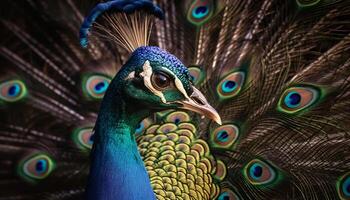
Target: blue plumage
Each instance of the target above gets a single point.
(117, 6)
(117, 169)
(162, 58)
(276, 71)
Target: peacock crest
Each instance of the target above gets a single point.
(276, 72)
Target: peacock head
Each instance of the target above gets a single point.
(152, 79)
(157, 81)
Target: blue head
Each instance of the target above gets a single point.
(154, 80)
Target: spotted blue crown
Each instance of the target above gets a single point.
(161, 58)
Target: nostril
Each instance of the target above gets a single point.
(198, 100)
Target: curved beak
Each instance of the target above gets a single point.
(199, 104)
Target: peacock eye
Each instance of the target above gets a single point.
(307, 3)
(227, 194)
(343, 187)
(143, 125)
(160, 80)
(200, 12)
(35, 167)
(258, 172)
(296, 99)
(13, 90)
(224, 136)
(197, 75)
(95, 86)
(178, 117)
(83, 137)
(231, 85)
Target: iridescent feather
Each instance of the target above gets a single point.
(276, 71)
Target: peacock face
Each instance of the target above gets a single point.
(158, 80)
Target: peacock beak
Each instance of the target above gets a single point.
(199, 104)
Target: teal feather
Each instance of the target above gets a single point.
(276, 71)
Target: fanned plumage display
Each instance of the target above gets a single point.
(268, 81)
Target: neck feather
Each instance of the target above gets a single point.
(117, 170)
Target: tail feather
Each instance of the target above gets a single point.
(253, 60)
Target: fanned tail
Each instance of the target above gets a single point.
(277, 72)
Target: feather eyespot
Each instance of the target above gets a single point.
(224, 136)
(35, 167)
(221, 170)
(12, 90)
(197, 75)
(95, 86)
(139, 128)
(307, 3)
(343, 187)
(200, 12)
(227, 194)
(143, 125)
(177, 117)
(231, 85)
(167, 128)
(296, 99)
(83, 137)
(258, 172)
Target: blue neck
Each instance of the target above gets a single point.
(117, 170)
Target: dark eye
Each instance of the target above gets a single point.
(160, 80)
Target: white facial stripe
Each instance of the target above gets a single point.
(178, 83)
(146, 74)
(130, 76)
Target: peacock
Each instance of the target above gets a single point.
(185, 99)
